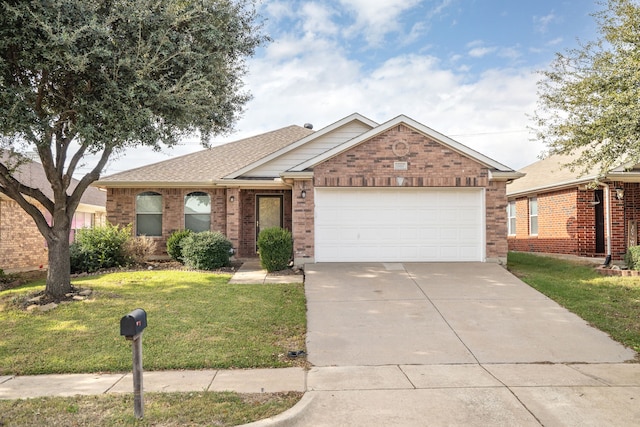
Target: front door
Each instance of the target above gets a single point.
(268, 213)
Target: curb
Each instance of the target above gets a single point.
(291, 417)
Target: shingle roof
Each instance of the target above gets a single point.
(212, 163)
(32, 174)
(548, 173)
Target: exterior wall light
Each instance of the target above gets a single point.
(232, 199)
(619, 193)
(303, 194)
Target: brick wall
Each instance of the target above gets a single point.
(121, 209)
(22, 247)
(429, 164)
(558, 224)
(566, 221)
(234, 219)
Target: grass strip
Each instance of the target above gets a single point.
(160, 409)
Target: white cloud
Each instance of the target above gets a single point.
(479, 52)
(376, 18)
(318, 19)
(541, 23)
(489, 112)
(279, 9)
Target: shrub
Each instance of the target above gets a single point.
(207, 250)
(100, 247)
(174, 248)
(83, 260)
(632, 257)
(275, 246)
(139, 248)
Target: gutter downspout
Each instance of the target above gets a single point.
(607, 214)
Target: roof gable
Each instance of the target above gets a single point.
(289, 156)
(442, 139)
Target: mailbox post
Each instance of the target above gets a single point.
(131, 326)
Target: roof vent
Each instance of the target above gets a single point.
(308, 125)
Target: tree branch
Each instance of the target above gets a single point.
(16, 191)
(94, 175)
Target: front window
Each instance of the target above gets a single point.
(149, 214)
(533, 216)
(197, 212)
(511, 216)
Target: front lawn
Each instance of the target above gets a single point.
(611, 304)
(195, 321)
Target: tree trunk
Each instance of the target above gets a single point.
(59, 274)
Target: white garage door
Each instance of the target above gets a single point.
(401, 225)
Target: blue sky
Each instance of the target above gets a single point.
(466, 68)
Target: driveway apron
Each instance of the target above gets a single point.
(441, 313)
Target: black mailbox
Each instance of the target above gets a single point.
(133, 323)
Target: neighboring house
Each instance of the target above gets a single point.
(353, 191)
(554, 210)
(22, 247)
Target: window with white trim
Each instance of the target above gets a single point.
(149, 214)
(197, 211)
(511, 218)
(533, 216)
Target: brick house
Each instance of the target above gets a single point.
(22, 247)
(353, 191)
(555, 210)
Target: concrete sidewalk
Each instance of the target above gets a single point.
(468, 395)
(241, 381)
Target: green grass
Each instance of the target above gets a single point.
(195, 321)
(610, 303)
(165, 409)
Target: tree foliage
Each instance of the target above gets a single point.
(85, 79)
(589, 99)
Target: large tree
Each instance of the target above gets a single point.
(589, 99)
(84, 79)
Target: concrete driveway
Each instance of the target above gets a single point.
(455, 344)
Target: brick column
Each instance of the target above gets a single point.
(233, 217)
(302, 222)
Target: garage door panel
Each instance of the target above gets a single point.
(399, 225)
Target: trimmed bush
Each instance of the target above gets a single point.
(100, 247)
(174, 242)
(275, 246)
(632, 257)
(207, 250)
